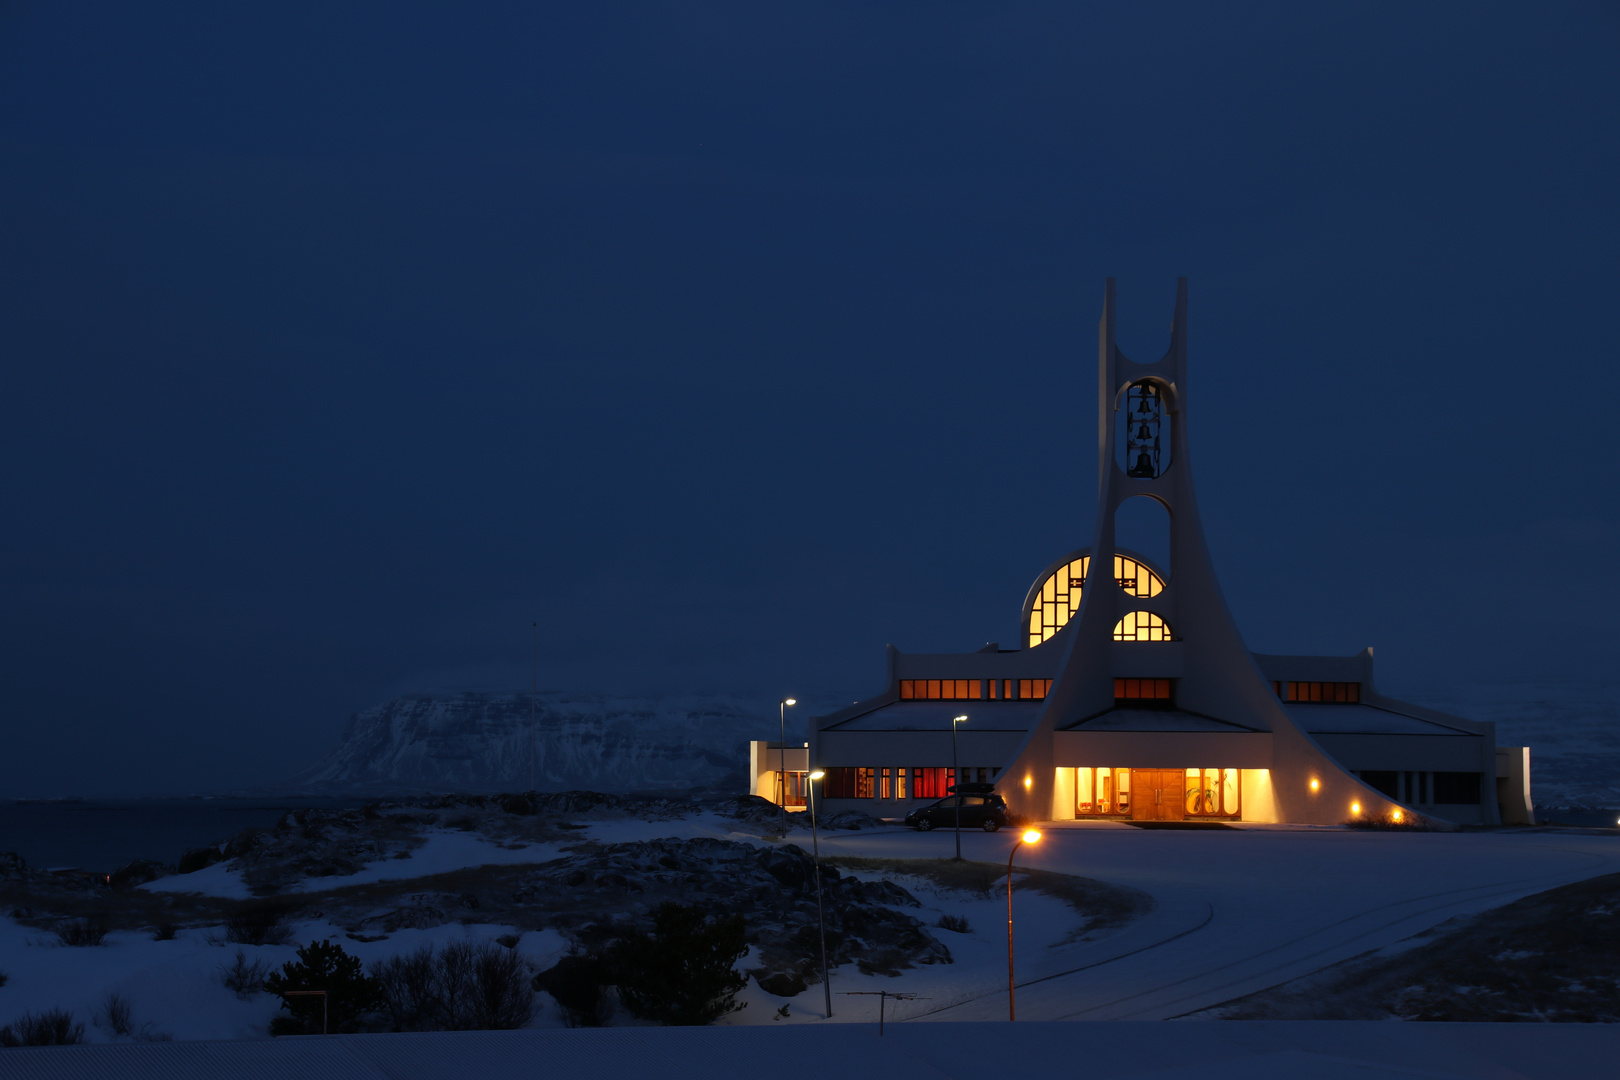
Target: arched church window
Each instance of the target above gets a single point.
(1143, 438)
(1060, 594)
(1142, 626)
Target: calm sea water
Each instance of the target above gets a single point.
(102, 836)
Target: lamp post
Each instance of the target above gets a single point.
(956, 772)
(821, 917)
(1030, 836)
(781, 745)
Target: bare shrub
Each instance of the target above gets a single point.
(82, 932)
(954, 923)
(116, 1014)
(164, 931)
(463, 987)
(244, 977)
(54, 1027)
(261, 924)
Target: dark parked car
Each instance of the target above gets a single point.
(982, 808)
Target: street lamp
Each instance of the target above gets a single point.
(956, 771)
(821, 917)
(781, 745)
(1031, 836)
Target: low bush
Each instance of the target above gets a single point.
(82, 932)
(244, 977)
(1391, 822)
(681, 973)
(954, 923)
(462, 987)
(4, 978)
(54, 1027)
(164, 931)
(322, 965)
(579, 985)
(261, 924)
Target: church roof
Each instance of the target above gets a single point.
(936, 716)
(1129, 719)
(1365, 720)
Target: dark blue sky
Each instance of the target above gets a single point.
(733, 341)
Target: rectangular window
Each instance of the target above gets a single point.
(994, 686)
(1325, 693)
(791, 793)
(942, 689)
(885, 785)
(1033, 689)
(900, 785)
(847, 783)
(930, 783)
(1457, 788)
(1143, 689)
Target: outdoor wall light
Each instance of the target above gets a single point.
(1316, 785)
(1028, 782)
(818, 774)
(1355, 808)
(1396, 815)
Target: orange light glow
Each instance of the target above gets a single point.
(1396, 815)
(1355, 808)
(1032, 836)
(817, 775)
(1316, 785)
(1028, 782)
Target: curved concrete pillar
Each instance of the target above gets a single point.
(1217, 676)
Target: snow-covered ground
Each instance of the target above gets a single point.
(443, 850)
(1237, 910)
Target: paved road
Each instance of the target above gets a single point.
(1243, 909)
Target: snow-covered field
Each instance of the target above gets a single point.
(443, 850)
(1237, 910)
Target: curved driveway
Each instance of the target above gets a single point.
(1243, 909)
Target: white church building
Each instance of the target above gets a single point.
(1131, 694)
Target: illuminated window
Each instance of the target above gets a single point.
(1059, 597)
(1142, 626)
(941, 689)
(885, 784)
(795, 788)
(931, 783)
(900, 784)
(847, 783)
(1143, 689)
(1335, 693)
(1034, 689)
(1212, 793)
(1106, 792)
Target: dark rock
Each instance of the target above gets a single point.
(138, 872)
(783, 983)
(198, 859)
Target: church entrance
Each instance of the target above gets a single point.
(1159, 794)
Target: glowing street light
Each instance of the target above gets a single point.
(956, 771)
(821, 917)
(781, 745)
(1031, 836)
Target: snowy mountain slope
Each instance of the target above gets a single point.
(1572, 730)
(480, 741)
